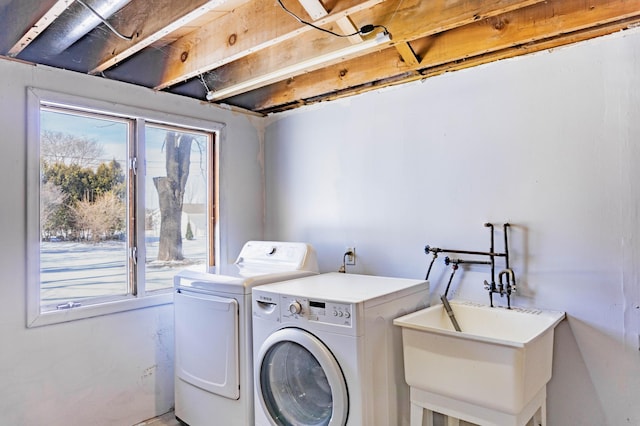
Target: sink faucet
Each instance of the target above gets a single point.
(499, 286)
(509, 286)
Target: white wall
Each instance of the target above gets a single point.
(549, 142)
(114, 369)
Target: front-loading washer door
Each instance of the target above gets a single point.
(299, 382)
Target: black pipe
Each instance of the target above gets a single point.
(435, 255)
(506, 245)
(448, 260)
(510, 285)
(510, 278)
(493, 265)
(493, 260)
(454, 268)
(477, 253)
(492, 288)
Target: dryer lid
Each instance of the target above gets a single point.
(259, 262)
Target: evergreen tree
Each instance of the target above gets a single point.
(80, 184)
(189, 233)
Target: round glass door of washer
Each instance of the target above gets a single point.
(300, 382)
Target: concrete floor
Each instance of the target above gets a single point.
(167, 419)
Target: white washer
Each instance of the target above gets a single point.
(213, 356)
(326, 351)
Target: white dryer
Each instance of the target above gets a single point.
(326, 351)
(213, 355)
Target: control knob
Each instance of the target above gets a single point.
(295, 307)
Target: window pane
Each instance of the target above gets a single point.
(176, 200)
(83, 219)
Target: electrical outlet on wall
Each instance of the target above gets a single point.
(351, 258)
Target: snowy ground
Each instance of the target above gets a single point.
(72, 271)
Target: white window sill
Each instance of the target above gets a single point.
(106, 308)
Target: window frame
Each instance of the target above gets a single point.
(137, 297)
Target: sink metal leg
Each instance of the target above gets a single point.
(452, 421)
(533, 414)
(418, 417)
(540, 417)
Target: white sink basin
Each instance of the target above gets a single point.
(500, 360)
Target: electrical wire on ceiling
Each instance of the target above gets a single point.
(365, 29)
(104, 21)
(204, 82)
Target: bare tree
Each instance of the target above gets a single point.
(51, 199)
(171, 189)
(65, 148)
(101, 218)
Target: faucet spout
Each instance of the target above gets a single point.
(509, 286)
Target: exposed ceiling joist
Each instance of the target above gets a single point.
(246, 30)
(289, 67)
(412, 22)
(347, 26)
(165, 17)
(408, 55)
(47, 19)
(543, 21)
(253, 54)
(546, 25)
(314, 9)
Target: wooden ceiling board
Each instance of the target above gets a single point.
(232, 44)
(547, 25)
(246, 30)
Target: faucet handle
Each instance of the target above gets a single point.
(487, 286)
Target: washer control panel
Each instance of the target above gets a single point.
(303, 309)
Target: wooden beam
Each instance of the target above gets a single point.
(288, 68)
(246, 30)
(347, 26)
(340, 77)
(547, 25)
(408, 55)
(408, 21)
(54, 11)
(543, 21)
(148, 24)
(314, 8)
(558, 41)
(405, 19)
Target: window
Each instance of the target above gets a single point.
(119, 200)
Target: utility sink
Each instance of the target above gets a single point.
(501, 360)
